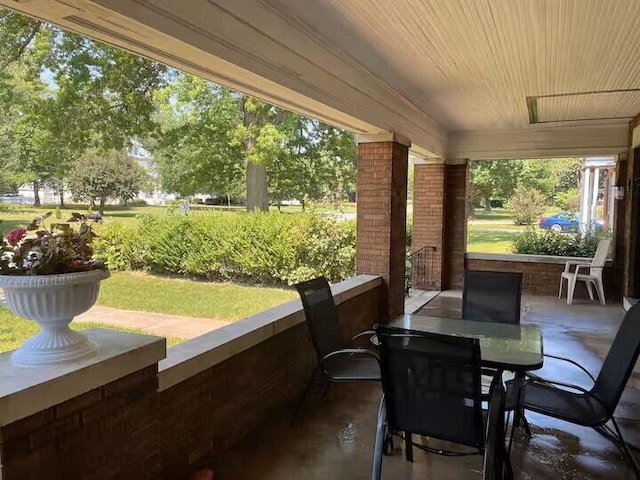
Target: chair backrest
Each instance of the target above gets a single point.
(492, 296)
(620, 361)
(321, 315)
(432, 385)
(600, 257)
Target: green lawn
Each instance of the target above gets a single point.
(142, 292)
(14, 330)
(176, 296)
(493, 232)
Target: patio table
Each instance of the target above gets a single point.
(504, 346)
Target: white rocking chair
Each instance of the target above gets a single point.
(593, 278)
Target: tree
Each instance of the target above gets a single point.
(198, 148)
(73, 94)
(98, 176)
(217, 141)
(526, 204)
(318, 162)
(491, 179)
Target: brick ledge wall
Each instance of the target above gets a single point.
(540, 274)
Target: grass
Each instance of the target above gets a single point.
(490, 242)
(493, 232)
(15, 216)
(15, 330)
(176, 296)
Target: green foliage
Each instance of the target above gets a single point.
(219, 142)
(497, 179)
(491, 179)
(526, 204)
(263, 248)
(543, 242)
(99, 176)
(568, 200)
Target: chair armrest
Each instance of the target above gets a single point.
(571, 362)
(576, 263)
(351, 351)
(366, 332)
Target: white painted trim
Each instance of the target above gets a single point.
(426, 161)
(384, 137)
(198, 354)
(28, 390)
(539, 142)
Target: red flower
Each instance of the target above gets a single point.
(15, 236)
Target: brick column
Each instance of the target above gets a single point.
(428, 219)
(456, 187)
(382, 213)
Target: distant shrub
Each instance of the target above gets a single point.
(526, 205)
(138, 202)
(568, 200)
(543, 242)
(409, 235)
(261, 248)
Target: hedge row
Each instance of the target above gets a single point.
(537, 242)
(260, 248)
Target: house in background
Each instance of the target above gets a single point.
(156, 196)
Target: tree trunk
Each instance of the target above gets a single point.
(255, 173)
(36, 193)
(302, 204)
(92, 203)
(228, 200)
(487, 204)
(257, 198)
(61, 195)
(101, 207)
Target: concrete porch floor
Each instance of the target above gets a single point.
(557, 450)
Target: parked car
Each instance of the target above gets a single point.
(564, 222)
(12, 198)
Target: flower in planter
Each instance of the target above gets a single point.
(41, 250)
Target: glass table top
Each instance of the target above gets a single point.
(502, 345)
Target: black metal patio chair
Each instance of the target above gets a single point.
(338, 359)
(432, 387)
(489, 296)
(592, 407)
(492, 296)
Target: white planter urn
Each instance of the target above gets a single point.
(52, 301)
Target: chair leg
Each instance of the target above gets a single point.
(590, 290)
(408, 446)
(378, 447)
(627, 450)
(304, 395)
(561, 285)
(571, 290)
(600, 288)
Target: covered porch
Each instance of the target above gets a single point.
(311, 448)
(442, 84)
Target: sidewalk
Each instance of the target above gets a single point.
(153, 323)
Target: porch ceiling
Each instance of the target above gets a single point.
(422, 68)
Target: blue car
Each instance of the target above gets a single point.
(563, 222)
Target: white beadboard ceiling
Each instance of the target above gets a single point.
(422, 68)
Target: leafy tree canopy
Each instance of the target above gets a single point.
(98, 176)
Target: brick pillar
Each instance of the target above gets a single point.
(456, 183)
(428, 218)
(382, 213)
